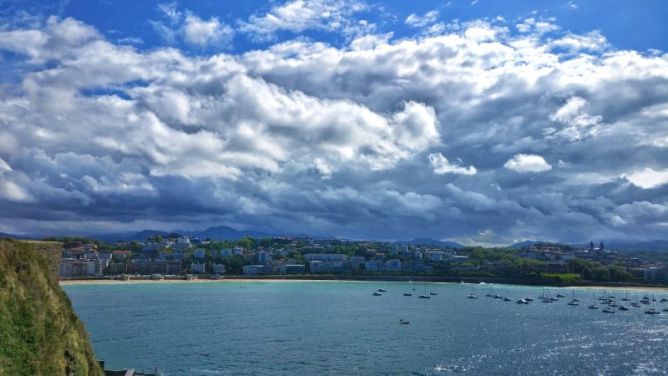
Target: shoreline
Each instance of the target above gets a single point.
(334, 278)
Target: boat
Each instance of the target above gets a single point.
(404, 322)
(626, 297)
(608, 310)
(408, 294)
(506, 299)
(521, 301)
(665, 309)
(622, 308)
(376, 293)
(528, 299)
(382, 290)
(664, 300)
(559, 296)
(472, 294)
(652, 311)
(593, 304)
(635, 304)
(573, 301)
(425, 296)
(433, 293)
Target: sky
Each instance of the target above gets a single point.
(485, 122)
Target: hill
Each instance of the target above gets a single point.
(39, 332)
(434, 242)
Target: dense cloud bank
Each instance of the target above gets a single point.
(485, 131)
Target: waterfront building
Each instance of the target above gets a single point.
(326, 262)
(218, 269)
(253, 269)
(295, 268)
(393, 265)
(356, 263)
(198, 268)
(173, 267)
(371, 266)
(263, 258)
(316, 266)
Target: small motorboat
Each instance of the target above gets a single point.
(404, 322)
(376, 293)
(608, 310)
(408, 294)
(425, 296)
(592, 306)
(472, 296)
(622, 308)
(652, 311)
(382, 290)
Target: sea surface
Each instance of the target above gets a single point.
(339, 328)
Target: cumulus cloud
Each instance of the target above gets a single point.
(648, 178)
(202, 33)
(441, 166)
(191, 28)
(303, 136)
(299, 15)
(527, 163)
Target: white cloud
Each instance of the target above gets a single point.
(192, 29)
(299, 15)
(203, 33)
(422, 21)
(13, 192)
(441, 165)
(648, 178)
(527, 163)
(578, 122)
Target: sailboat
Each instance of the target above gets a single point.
(573, 301)
(653, 310)
(425, 296)
(593, 303)
(472, 294)
(626, 297)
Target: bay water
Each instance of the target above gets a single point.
(339, 328)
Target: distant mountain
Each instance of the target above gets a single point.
(227, 233)
(524, 244)
(434, 242)
(145, 234)
(6, 235)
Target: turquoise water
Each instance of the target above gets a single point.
(315, 328)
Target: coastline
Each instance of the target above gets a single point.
(334, 278)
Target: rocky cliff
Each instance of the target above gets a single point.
(39, 332)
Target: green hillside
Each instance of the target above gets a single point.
(39, 332)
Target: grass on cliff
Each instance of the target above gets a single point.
(39, 332)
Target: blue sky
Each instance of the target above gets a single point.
(487, 122)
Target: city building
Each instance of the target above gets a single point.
(253, 269)
(198, 268)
